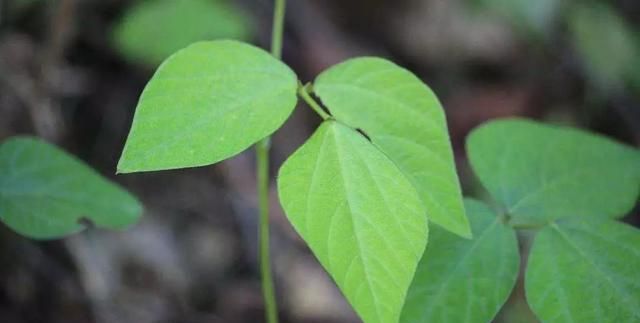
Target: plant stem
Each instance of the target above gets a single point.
(303, 91)
(271, 308)
(529, 226)
(278, 28)
(262, 155)
(509, 220)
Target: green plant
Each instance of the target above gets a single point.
(360, 189)
(568, 186)
(212, 100)
(535, 18)
(46, 193)
(593, 29)
(149, 31)
(596, 28)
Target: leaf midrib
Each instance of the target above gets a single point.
(567, 176)
(198, 126)
(385, 98)
(312, 182)
(355, 232)
(597, 268)
(457, 267)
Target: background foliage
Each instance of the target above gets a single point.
(72, 75)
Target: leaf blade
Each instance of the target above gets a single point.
(578, 257)
(44, 192)
(405, 120)
(356, 211)
(454, 271)
(151, 31)
(208, 102)
(594, 30)
(541, 172)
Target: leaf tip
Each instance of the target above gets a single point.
(123, 170)
(120, 170)
(463, 230)
(123, 167)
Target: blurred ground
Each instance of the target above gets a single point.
(193, 256)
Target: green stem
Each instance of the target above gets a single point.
(509, 220)
(262, 155)
(529, 226)
(271, 308)
(278, 28)
(303, 91)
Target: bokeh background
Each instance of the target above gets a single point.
(71, 72)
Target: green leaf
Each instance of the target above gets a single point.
(46, 193)
(208, 102)
(596, 29)
(461, 280)
(406, 121)
(150, 31)
(585, 271)
(537, 17)
(359, 214)
(541, 172)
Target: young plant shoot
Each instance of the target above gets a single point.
(377, 180)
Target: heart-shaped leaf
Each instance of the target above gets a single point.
(206, 103)
(585, 270)
(461, 280)
(46, 193)
(359, 214)
(406, 121)
(541, 172)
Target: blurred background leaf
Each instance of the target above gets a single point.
(192, 256)
(151, 30)
(46, 193)
(533, 17)
(607, 46)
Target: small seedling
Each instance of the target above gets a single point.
(363, 189)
